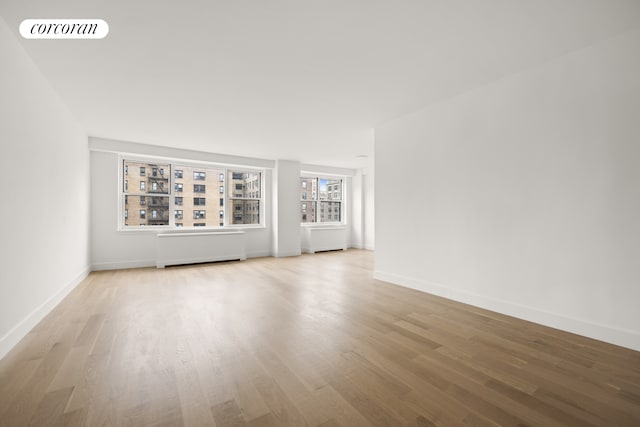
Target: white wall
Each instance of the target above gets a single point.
(45, 162)
(523, 196)
(110, 248)
(368, 208)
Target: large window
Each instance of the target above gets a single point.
(140, 209)
(320, 200)
(245, 194)
(188, 196)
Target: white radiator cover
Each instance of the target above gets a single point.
(315, 239)
(190, 248)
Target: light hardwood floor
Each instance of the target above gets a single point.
(311, 340)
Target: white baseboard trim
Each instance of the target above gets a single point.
(258, 254)
(121, 265)
(618, 336)
(370, 247)
(11, 338)
(288, 254)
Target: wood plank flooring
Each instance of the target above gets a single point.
(304, 341)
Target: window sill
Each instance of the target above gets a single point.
(168, 230)
(321, 225)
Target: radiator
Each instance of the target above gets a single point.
(191, 248)
(315, 239)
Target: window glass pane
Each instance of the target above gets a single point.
(308, 211)
(245, 211)
(146, 210)
(199, 196)
(330, 189)
(308, 188)
(245, 185)
(330, 212)
(146, 178)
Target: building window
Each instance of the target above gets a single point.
(178, 174)
(126, 213)
(179, 224)
(199, 224)
(126, 185)
(179, 186)
(179, 201)
(221, 213)
(199, 176)
(199, 188)
(324, 203)
(199, 201)
(142, 185)
(143, 214)
(199, 214)
(221, 189)
(126, 169)
(221, 177)
(154, 186)
(178, 214)
(143, 171)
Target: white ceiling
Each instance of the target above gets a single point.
(296, 79)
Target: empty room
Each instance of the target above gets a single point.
(320, 213)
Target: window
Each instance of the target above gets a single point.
(140, 210)
(245, 197)
(166, 194)
(323, 203)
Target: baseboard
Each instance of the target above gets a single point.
(288, 254)
(11, 338)
(622, 337)
(370, 247)
(258, 254)
(121, 265)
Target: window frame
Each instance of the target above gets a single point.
(314, 199)
(170, 165)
